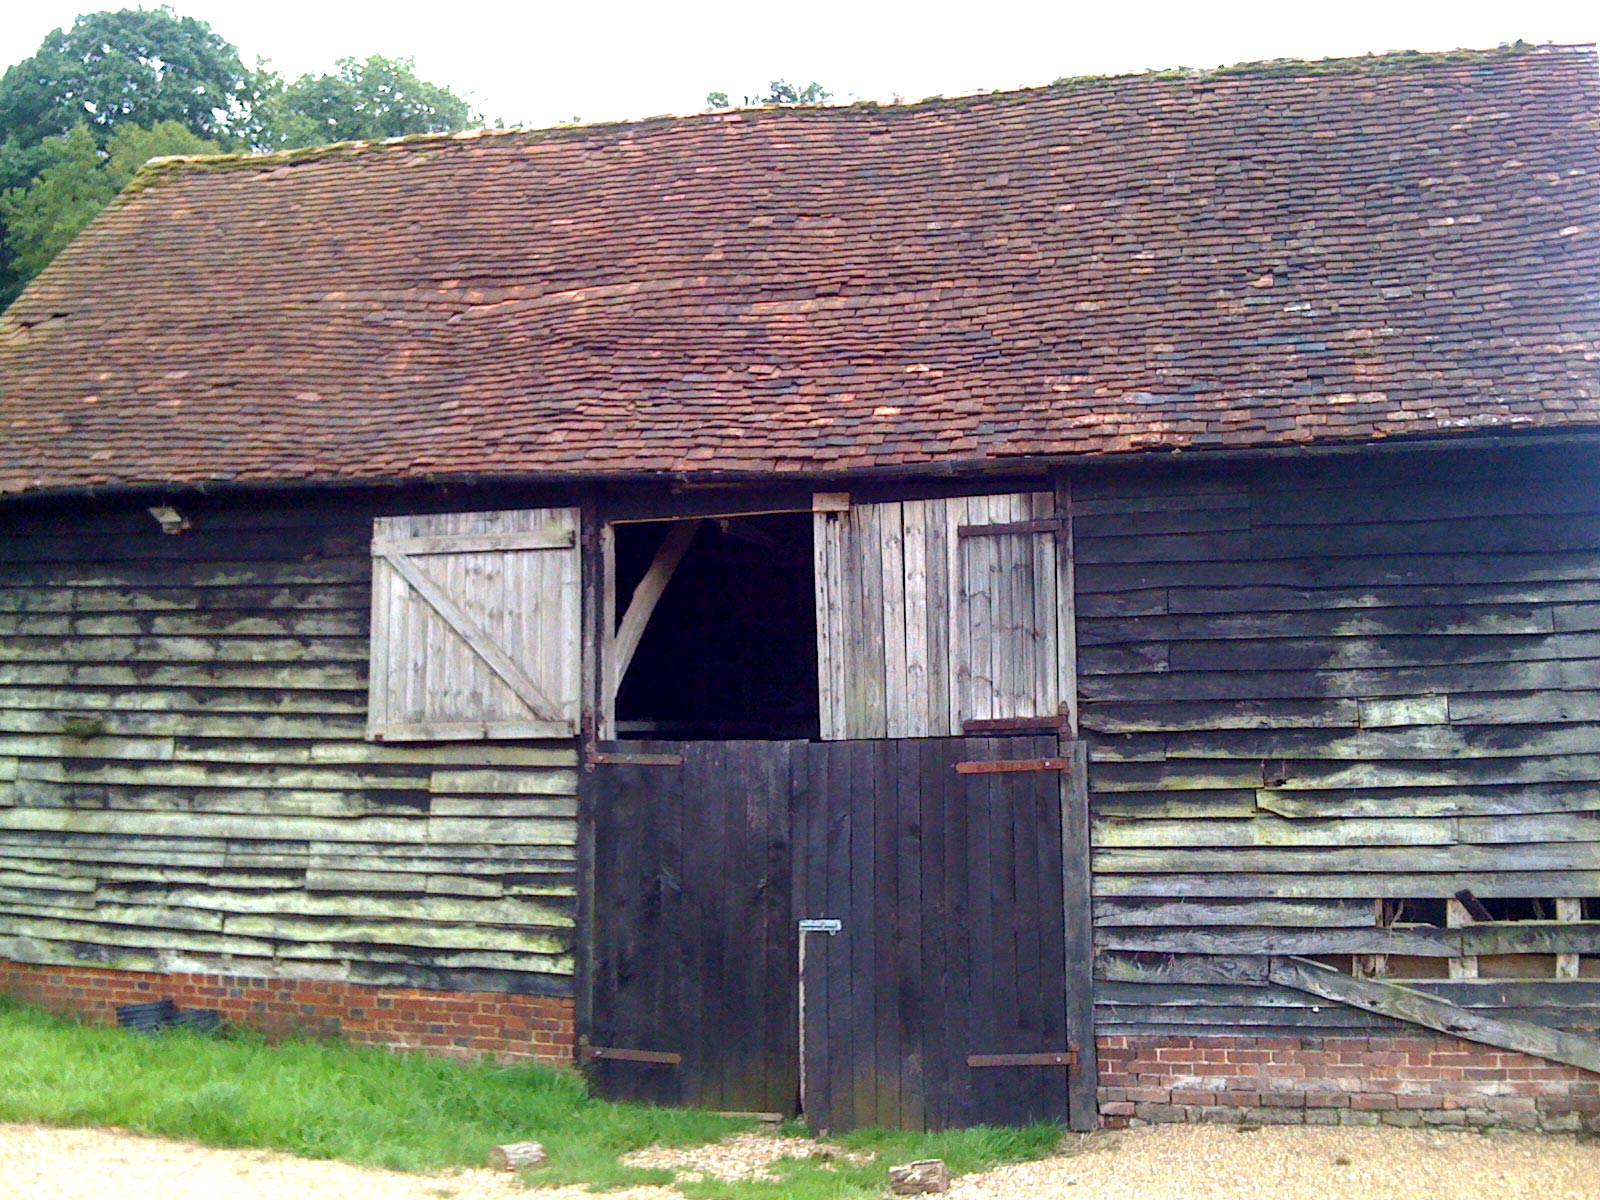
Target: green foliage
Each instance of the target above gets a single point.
(47, 214)
(413, 1112)
(76, 180)
(135, 67)
(408, 1112)
(115, 88)
(376, 98)
(780, 93)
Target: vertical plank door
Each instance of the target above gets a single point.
(940, 999)
(692, 962)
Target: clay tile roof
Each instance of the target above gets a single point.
(1284, 254)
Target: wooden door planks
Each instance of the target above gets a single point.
(694, 949)
(934, 612)
(954, 940)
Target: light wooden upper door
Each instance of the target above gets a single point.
(475, 626)
(935, 613)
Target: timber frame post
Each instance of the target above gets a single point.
(595, 575)
(1078, 926)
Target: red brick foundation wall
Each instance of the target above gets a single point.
(1340, 1081)
(507, 1027)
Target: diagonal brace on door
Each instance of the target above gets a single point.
(474, 635)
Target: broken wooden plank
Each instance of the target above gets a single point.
(1418, 1008)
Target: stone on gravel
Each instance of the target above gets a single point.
(919, 1178)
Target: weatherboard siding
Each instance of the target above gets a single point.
(185, 781)
(1310, 686)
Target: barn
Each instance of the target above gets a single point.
(1080, 603)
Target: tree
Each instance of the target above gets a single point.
(78, 180)
(376, 98)
(780, 93)
(137, 67)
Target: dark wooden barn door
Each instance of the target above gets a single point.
(692, 959)
(945, 998)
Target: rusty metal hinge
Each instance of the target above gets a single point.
(1046, 525)
(659, 1058)
(1006, 766)
(1000, 725)
(1049, 1058)
(633, 760)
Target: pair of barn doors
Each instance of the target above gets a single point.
(889, 925)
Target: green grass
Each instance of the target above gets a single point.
(409, 1112)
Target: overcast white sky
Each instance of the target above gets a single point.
(536, 63)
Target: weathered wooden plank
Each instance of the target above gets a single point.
(1289, 914)
(828, 568)
(1308, 684)
(1525, 708)
(394, 831)
(1310, 775)
(18, 652)
(1117, 718)
(505, 783)
(1300, 622)
(51, 881)
(387, 931)
(116, 600)
(921, 608)
(300, 802)
(1531, 937)
(230, 708)
(325, 676)
(501, 807)
(553, 831)
(195, 904)
(193, 774)
(1253, 1020)
(1269, 830)
(1204, 805)
(218, 623)
(554, 537)
(66, 928)
(1114, 997)
(1437, 802)
(1419, 884)
(1418, 1008)
(899, 719)
(1181, 969)
(1563, 856)
(47, 745)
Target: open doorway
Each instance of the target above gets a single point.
(715, 635)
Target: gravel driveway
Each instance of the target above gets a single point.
(1163, 1162)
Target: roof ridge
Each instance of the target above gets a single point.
(1271, 68)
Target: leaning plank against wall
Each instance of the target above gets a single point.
(185, 781)
(1312, 688)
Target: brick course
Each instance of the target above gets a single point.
(504, 1026)
(1340, 1080)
